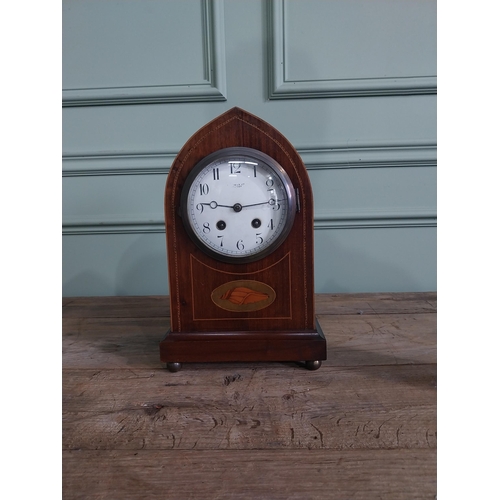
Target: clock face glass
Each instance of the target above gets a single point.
(238, 205)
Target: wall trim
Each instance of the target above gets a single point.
(281, 88)
(374, 154)
(211, 88)
(339, 156)
(74, 226)
(334, 219)
(375, 218)
(117, 164)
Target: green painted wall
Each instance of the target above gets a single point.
(352, 84)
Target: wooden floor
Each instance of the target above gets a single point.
(361, 427)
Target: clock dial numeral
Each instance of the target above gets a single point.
(271, 225)
(206, 227)
(204, 189)
(221, 238)
(216, 174)
(199, 207)
(235, 168)
(240, 245)
(259, 239)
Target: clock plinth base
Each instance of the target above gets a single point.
(218, 347)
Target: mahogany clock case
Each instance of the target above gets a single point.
(253, 311)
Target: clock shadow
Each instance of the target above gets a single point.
(243, 366)
(130, 336)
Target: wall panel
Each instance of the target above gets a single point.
(375, 259)
(133, 97)
(114, 264)
(353, 48)
(135, 52)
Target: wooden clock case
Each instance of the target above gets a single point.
(278, 323)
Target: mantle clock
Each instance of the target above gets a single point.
(239, 229)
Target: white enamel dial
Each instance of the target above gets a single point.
(238, 204)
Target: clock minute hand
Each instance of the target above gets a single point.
(271, 202)
(237, 207)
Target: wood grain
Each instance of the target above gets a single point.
(380, 303)
(242, 407)
(352, 340)
(116, 307)
(257, 475)
(363, 426)
(159, 306)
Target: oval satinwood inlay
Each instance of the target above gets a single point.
(243, 296)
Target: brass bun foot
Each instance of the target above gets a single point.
(313, 365)
(174, 367)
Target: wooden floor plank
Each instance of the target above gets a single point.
(376, 303)
(156, 306)
(351, 340)
(361, 427)
(381, 339)
(255, 475)
(251, 408)
(116, 307)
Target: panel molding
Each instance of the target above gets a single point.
(334, 219)
(138, 163)
(281, 88)
(323, 219)
(211, 88)
(374, 154)
(104, 225)
(374, 218)
(340, 156)
(316, 157)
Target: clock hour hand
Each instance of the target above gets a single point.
(213, 205)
